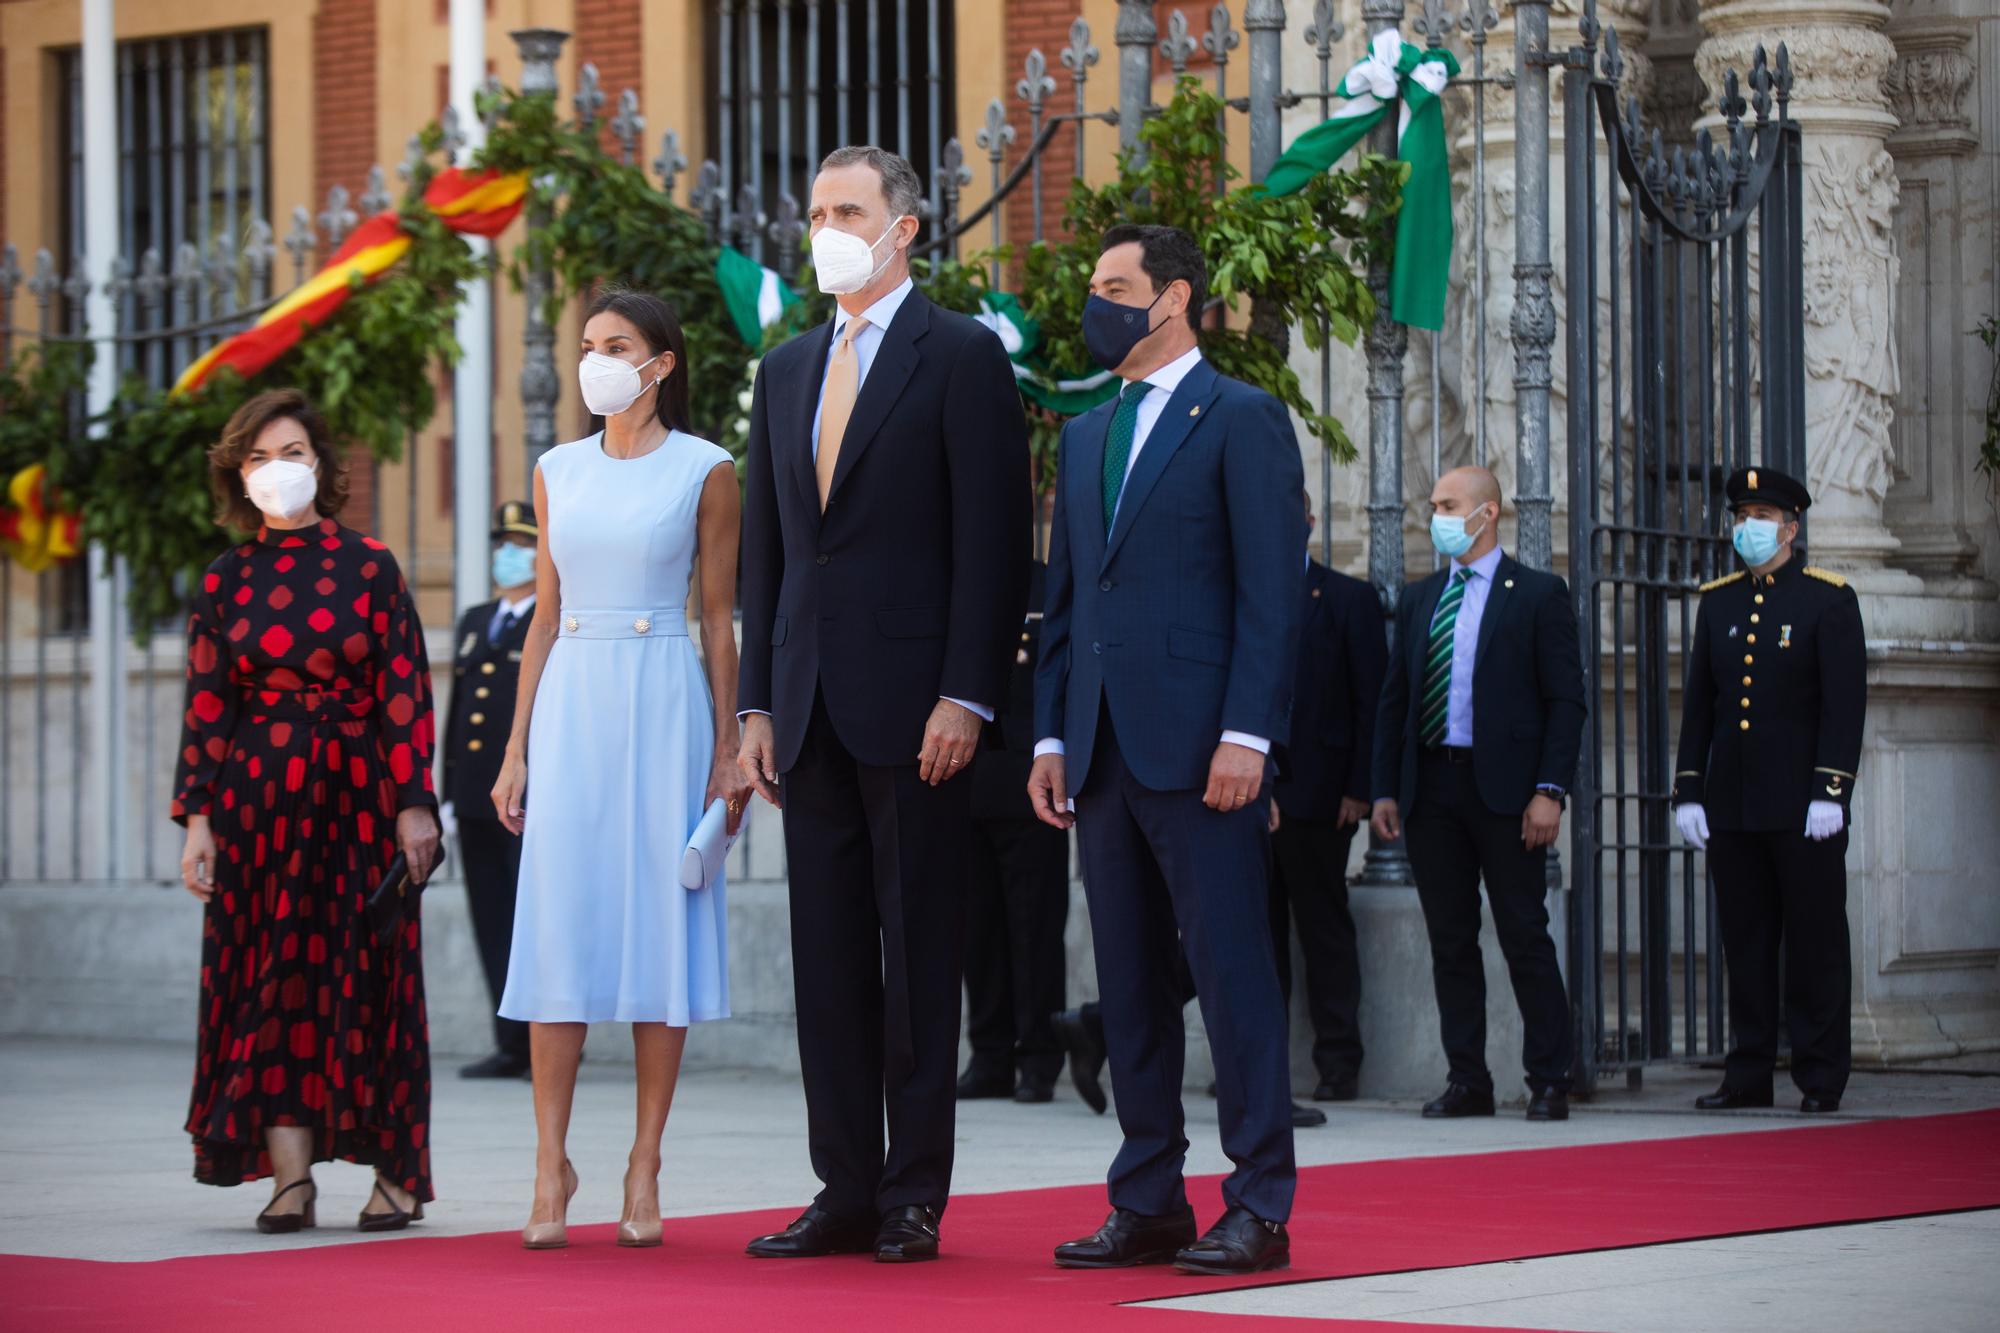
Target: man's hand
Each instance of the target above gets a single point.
(1234, 775)
(1048, 792)
(1541, 821)
(1351, 812)
(1386, 822)
(1276, 819)
(758, 757)
(951, 738)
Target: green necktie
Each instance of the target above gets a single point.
(1118, 445)
(1434, 715)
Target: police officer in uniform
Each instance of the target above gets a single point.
(1017, 903)
(486, 668)
(1770, 740)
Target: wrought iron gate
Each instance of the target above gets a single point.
(1685, 342)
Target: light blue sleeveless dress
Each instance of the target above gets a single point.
(619, 747)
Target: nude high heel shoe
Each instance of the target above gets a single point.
(641, 1233)
(551, 1235)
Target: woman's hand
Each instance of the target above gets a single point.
(728, 782)
(198, 858)
(417, 840)
(510, 792)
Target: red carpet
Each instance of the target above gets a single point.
(1370, 1217)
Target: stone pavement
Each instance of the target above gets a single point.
(92, 1165)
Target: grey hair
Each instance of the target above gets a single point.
(900, 185)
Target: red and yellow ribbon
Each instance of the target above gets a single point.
(479, 203)
(31, 535)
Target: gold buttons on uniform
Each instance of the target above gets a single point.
(1748, 659)
(1744, 724)
(476, 744)
(487, 668)
(482, 692)
(1759, 599)
(1750, 638)
(1753, 617)
(478, 718)
(1746, 680)
(1746, 701)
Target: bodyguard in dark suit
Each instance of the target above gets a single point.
(1017, 901)
(486, 668)
(1477, 737)
(885, 563)
(1322, 796)
(1770, 740)
(1167, 659)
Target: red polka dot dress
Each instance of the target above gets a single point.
(308, 728)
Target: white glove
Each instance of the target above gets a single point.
(1824, 819)
(448, 820)
(1692, 821)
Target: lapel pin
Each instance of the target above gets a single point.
(1784, 636)
(1315, 592)
(1508, 584)
(1195, 411)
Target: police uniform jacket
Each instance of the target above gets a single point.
(1776, 690)
(484, 679)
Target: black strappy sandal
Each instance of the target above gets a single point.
(393, 1220)
(284, 1224)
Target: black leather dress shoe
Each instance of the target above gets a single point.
(1458, 1101)
(909, 1235)
(1726, 1098)
(1340, 1088)
(1818, 1103)
(1549, 1104)
(975, 1086)
(1085, 1044)
(497, 1065)
(1307, 1117)
(1128, 1239)
(1241, 1242)
(815, 1233)
(1034, 1090)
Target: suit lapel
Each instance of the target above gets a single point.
(804, 403)
(1180, 416)
(1496, 601)
(895, 361)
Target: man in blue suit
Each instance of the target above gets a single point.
(1169, 645)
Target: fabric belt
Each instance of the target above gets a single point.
(310, 705)
(1450, 754)
(580, 622)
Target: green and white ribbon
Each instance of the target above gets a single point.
(755, 296)
(1022, 337)
(1412, 78)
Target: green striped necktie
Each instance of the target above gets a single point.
(1434, 715)
(1118, 445)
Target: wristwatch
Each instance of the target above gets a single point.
(1550, 789)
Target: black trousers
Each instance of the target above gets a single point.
(492, 873)
(1163, 872)
(1454, 841)
(877, 862)
(1311, 887)
(1017, 903)
(1784, 891)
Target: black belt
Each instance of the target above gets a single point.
(1450, 754)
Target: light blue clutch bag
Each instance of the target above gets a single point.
(701, 863)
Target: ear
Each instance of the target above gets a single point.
(666, 360)
(907, 239)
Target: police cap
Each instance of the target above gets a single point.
(1763, 485)
(516, 518)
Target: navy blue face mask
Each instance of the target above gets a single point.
(1111, 330)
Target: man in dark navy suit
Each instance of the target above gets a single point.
(1322, 798)
(1168, 651)
(1476, 739)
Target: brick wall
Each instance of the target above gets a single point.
(344, 147)
(609, 35)
(1043, 24)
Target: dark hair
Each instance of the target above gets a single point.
(900, 185)
(1167, 254)
(660, 326)
(225, 457)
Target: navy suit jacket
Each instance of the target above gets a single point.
(1183, 619)
(1527, 690)
(1343, 652)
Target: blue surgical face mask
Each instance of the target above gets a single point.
(1111, 331)
(513, 565)
(1448, 534)
(1756, 540)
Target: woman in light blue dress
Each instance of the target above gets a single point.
(619, 744)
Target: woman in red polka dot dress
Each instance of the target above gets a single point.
(304, 769)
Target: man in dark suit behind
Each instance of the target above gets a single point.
(1168, 652)
(885, 562)
(1322, 798)
(1477, 738)
(486, 669)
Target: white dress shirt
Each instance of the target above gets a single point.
(1164, 381)
(866, 344)
(1465, 646)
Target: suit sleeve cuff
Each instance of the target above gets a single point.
(1048, 745)
(984, 713)
(1246, 740)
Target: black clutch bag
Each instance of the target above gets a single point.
(390, 901)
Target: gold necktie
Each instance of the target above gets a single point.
(836, 404)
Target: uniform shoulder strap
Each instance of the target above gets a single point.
(1824, 576)
(1713, 584)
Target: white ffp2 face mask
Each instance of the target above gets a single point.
(282, 489)
(610, 385)
(845, 263)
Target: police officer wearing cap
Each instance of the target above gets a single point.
(486, 668)
(1770, 740)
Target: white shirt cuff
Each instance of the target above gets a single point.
(1048, 745)
(1248, 742)
(752, 712)
(984, 713)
